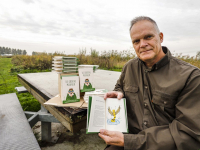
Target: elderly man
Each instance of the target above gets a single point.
(162, 93)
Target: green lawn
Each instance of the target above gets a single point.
(8, 82)
(118, 70)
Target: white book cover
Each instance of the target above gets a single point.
(86, 79)
(70, 91)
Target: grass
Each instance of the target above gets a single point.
(8, 82)
(109, 60)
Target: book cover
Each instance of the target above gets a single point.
(86, 79)
(70, 91)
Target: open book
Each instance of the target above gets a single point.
(107, 114)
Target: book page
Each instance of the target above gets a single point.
(116, 119)
(97, 114)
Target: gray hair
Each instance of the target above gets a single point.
(141, 18)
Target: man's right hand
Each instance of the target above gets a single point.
(114, 94)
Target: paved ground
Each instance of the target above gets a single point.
(69, 141)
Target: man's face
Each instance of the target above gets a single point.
(147, 42)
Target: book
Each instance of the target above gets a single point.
(70, 91)
(86, 79)
(64, 64)
(110, 114)
(89, 66)
(97, 92)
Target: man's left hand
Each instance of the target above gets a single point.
(112, 137)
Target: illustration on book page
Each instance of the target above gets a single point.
(113, 117)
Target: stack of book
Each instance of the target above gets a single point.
(97, 92)
(63, 64)
(89, 66)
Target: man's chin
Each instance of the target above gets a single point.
(146, 57)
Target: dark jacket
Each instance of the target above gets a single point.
(163, 104)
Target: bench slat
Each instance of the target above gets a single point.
(15, 131)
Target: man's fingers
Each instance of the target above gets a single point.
(108, 95)
(113, 94)
(120, 95)
(104, 132)
(107, 132)
(112, 137)
(106, 136)
(107, 139)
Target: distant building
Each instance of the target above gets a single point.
(38, 53)
(6, 54)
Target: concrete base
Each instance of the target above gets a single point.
(68, 140)
(21, 89)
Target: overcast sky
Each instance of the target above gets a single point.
(66, 25)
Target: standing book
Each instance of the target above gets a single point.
(86, 79)
(110, 114)
(70, 91)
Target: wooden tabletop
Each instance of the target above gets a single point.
(44, 86)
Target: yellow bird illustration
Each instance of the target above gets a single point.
(113, 113)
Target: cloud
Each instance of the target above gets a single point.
(105, 23)
(28, 1)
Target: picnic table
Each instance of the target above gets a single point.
(44, 86)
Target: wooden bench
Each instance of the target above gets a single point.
(15, 131)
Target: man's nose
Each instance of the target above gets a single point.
(143, 43)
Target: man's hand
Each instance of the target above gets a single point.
(114, 94)
(112, 137)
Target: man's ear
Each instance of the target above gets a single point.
(161, 37)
